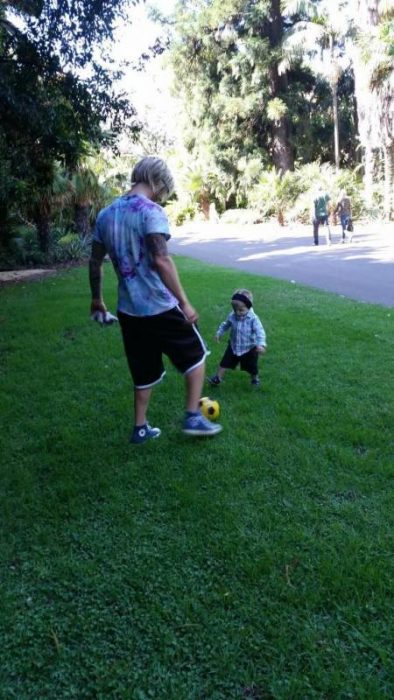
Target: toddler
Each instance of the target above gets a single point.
(247, 338)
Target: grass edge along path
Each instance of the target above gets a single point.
(257, 564)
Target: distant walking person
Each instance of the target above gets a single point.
(320, 215)
(344, 209)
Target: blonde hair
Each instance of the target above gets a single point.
(246, 294)
(154, 172)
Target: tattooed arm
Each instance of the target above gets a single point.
(165, 268)
(96, 275)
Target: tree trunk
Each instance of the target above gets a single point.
(204, 204)
(388, 153)
(372, 110)
(336, 124)
(282, 152)
(43, 224)
(282, 155)
(81, 219)
(4, 224)
(334, 89)
(364, 106)
(368, 175)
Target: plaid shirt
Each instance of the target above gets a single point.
(245, 332)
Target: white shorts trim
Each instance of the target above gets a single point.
(148, 386)
(196, 365)
(204, 347)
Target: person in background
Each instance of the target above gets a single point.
(319, 215)
(344, 209)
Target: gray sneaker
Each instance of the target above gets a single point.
(199, 426)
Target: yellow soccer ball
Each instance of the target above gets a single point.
(209, 408)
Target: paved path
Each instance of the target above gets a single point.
(362, 270)
(21, 275)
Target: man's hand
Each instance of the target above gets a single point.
(99, 313)
(217, 338)
(165, 268)
(260, 349)
(190, 313)
(98, 305)
(104, 318)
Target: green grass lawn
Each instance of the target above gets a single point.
(256, 564)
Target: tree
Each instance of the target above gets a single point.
(244, 100)
(320, 26)
(86, 191)
(282, 154)
(49, 114)
(225, 57)
(373, 62)
(382, 84)
(42, 202)
(72, 29)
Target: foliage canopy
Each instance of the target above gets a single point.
(50, 114)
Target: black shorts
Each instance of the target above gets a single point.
(247, 362)
(147, 338)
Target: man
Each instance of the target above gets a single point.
(344, 209)
(320, 215)
(154, 312)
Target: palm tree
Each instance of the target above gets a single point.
(325, 27)
(374, 77)
(43, 200)
(86, 191)
(382, 86)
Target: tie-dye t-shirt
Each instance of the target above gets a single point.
(122, 228)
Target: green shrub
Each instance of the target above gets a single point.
(289, 197)
(69, 247)
(275, 193)
(23, 249)
(179, 212)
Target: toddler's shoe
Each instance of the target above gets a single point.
(255, 381)
(198, 425)
(214, 381)
(142, 433)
